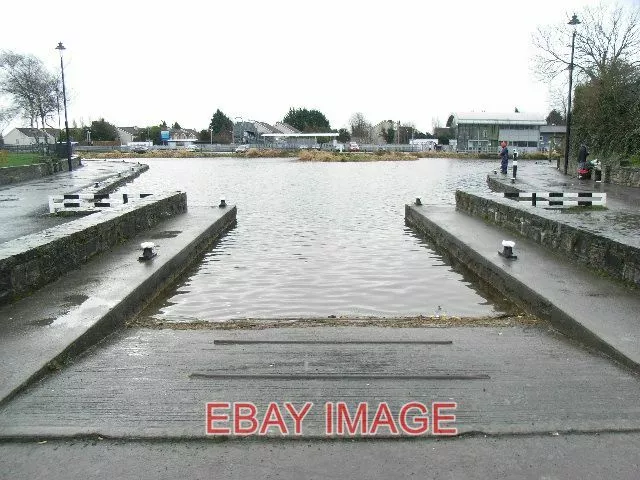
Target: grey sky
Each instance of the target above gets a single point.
(137, 63)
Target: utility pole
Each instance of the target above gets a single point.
(574, 21)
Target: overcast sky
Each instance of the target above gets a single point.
(141, 62)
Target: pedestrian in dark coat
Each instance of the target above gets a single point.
(504, 155)
(583, 153)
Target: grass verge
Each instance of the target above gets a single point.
(10, 159)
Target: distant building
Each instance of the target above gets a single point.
(127, 134)
(552, 137)
(483, 132)
(377, 136)
(182, 137)
(254, 132)
(31, 136)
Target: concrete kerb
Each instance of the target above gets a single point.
(140, 296)
(521, 294)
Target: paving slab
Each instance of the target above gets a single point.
(84, 305)
(594, 308)
(148, 383)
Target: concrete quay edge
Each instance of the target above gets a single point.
(99, 321)
(526, 296)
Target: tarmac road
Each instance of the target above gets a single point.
(583, 456)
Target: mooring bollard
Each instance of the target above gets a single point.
(223, 203)
(507, 249)
(418, 201)
(148, 251)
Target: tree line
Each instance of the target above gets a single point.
(606, 99)
(35, 94)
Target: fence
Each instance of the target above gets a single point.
(58, 150)
(89, 202)
(208, 147)
(553, 199)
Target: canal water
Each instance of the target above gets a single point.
(318, 239)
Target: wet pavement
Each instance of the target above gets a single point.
(620, 221)
(24, 207)
(584, 456)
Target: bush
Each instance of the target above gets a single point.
(4, 158)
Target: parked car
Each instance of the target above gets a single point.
(193, 148)
(242, 149)
(353, 147)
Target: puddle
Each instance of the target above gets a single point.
(42, 322)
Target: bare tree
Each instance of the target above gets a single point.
(606, 35)
(360, 127)
(435, 123)
(32, 90)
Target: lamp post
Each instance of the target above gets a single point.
(61, 48)
(574, 22)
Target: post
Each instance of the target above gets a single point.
(574, 21)
(60, 48)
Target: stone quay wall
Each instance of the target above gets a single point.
(30, 262)
(597, 251)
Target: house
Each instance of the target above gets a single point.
(483, 132)
(182, 137)
(127, 134)
(31, 136)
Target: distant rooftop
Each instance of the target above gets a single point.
(553, 129)
(512, 118)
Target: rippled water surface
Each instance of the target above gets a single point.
(318, 239)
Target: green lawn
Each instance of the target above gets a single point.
(9, 159)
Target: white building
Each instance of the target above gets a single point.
(30, 136)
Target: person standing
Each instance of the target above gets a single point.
(583, 153)
(504, 155)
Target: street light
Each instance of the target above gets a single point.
(61, 48)
(574, 22)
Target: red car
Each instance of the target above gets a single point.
(353, 147)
